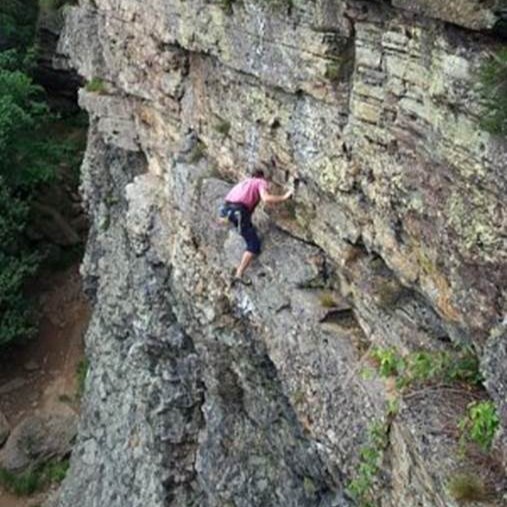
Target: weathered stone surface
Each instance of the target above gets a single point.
(474, 14)
(12, 385)
(59, 81)
(31, 365)
(37, 439)
(5, 428)
(493, 366)
(203, 393)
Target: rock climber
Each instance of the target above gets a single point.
(239, 205)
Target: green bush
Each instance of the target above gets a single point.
(460, 365)
(480, 423)
(493, 90)
(389, 361)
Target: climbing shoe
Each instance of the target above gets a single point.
(244, 280)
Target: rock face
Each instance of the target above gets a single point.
(205, 394)
(60, 83)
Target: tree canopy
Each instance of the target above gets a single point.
(28, 159)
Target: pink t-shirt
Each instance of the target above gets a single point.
(247, 192)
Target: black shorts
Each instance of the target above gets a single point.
(241, 218)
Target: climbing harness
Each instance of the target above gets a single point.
(231, 212)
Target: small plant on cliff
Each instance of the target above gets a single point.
(388, 360)
(327, 300)
(460, 365)
(467, 487)
(362, 487)
(96, 85)
(334, 71)
(223, 127)
(493, 90)
(34, 479)
(480, 424)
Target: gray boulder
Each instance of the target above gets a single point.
(37, 439)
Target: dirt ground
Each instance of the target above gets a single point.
(41, 375)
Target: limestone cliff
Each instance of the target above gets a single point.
(205, 394)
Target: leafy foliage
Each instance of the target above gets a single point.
(16, 265)
(428, 366)
(361, 488)
(20, 170)
(29, 159)
(480, 423)
(493, 89)
(17, 23)
(389, 362)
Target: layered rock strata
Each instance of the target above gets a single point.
(205, 393)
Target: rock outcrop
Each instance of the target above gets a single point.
(37, 439)
(59, 81)
(210, 394)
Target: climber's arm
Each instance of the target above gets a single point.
(274, 199)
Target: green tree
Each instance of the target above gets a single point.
(29, 159)
(17, 23)
(16, 265)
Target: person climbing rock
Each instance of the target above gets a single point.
(239, 205)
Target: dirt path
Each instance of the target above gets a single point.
(41, 376)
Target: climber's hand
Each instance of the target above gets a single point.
(289, 194)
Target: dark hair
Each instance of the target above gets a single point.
(258, 173)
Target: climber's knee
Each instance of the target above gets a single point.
(253, 243)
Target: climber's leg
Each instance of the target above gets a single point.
(246, 260)
(253, 244)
